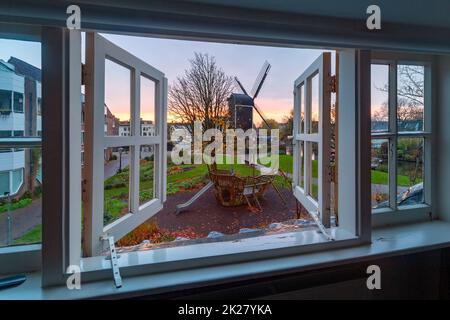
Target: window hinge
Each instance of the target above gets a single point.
(114, 260)
(333, 84)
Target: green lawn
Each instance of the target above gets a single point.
(180, 178)
(381, 177)
(15, 205)
(188, 177)
(32, 236)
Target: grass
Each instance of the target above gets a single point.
(32, 236)
(382, 177)
(183, 177)
(188, 177)
(15, 205)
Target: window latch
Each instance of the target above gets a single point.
(114, 260)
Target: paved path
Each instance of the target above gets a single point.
(23, 220)
(112, 166)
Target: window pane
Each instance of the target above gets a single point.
(117, 181)
(410, 171)
(20, 168)
(301, 172)
(302, 110)
(314, 121)
(380, 97)
(410, 97)
(148, 96)
(5, 102)
(146, 174)
(314, 183)
(18, 102)
(20, 196)
(117, 97)
(380, 173)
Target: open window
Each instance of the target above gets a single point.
(147, 93)
(312, 136)
(131, 134)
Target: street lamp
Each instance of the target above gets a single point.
(120, 159)
(9, 219)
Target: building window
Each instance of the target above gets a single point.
(5, 101)
(18, 102)
(401, 135)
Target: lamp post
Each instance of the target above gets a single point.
(9, 220)
(120, 159)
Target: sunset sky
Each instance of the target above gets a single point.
(172, 58)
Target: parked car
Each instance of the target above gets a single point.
(413, 195)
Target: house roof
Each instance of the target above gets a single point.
(6, 66)
(25, 69)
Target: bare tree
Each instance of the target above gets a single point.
(201, 94)
(410, 87)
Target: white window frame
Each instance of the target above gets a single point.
(21, 258)
(320, 68)
(417, 212)
(61, 223)
(98, 50)
(352, 232)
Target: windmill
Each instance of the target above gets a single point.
(241, 105)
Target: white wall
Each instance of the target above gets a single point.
(442, 118)
(12, 160)
(11, 81)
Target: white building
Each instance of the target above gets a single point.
(18, 118)
(147, 128)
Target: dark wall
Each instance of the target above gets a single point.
(413, 276)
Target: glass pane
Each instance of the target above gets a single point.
(314, 124)
(380, 173)
(20, 196)
(116, 185)
(18, 102)
(117, 97)
(148, 100)
(314, 183)
(20, 168)
(410, 97)
(301, 171)
(5, 102)
(146, 174)
(302, 109)
(380, 97)
(410, 172)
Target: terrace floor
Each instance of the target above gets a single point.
(207, 215)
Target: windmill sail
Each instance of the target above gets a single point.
(260, 79)
(261, 114)
(240, 85)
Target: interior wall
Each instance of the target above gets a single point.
(442, 134)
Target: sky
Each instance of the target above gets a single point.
(244, 61)
(172, 58)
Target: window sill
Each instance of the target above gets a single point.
(388, 241)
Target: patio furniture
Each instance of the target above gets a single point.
(232, 190)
